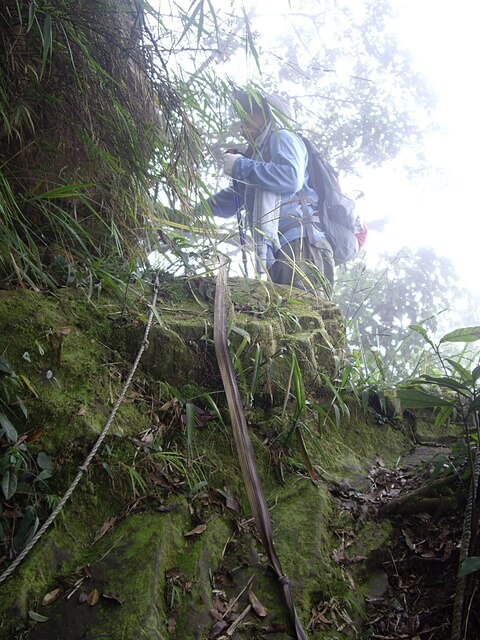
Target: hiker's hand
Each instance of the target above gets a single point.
(228, 162)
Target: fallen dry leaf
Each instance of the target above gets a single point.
(232, 503)
(257, 606)
(93, 597)
(111, 597)
(174, 574)
(106, 526)
(51, 596)
(218, 628)
(197, 531)
(215, 614)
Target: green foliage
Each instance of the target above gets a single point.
(23, 476)
(456, 391)
(91, 121)
(455, 388)
(352, 86)
(381, 305)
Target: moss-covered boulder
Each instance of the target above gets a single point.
(267, 325)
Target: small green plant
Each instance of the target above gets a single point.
(249, 375)
(454, 392)
(23, 474)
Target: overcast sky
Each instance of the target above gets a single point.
(442, 210)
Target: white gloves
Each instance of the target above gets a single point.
(229, 161)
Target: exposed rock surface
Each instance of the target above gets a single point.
(158, 538)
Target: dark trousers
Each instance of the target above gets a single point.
(304, 266)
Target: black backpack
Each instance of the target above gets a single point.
(335, 210)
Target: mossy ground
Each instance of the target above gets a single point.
(164, 579)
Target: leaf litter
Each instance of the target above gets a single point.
(417, 567)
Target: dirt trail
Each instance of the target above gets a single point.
(413, 577)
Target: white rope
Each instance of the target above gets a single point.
(97, 445)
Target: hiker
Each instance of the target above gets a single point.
(273, 187)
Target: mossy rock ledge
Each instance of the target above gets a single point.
(158, 533)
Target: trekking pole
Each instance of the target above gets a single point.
(241, 228)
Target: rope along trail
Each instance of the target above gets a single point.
(81, 470)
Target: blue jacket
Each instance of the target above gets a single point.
(284, 173)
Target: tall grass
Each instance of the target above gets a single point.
(90, 123)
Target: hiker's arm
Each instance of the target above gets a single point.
(285, 173)
(224, 203)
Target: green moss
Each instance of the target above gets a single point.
(61, 551)
(348, 450)
(301, 517)
(133, 560)
(149, 541)
(372, 536)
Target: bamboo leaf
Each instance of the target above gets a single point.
(29, 385)
(466, 334)
(32, 9)
(306, 458)
(423, 332)
(443, 416)
(5, 366)
(65, 191)
(47, 39)
(470, 565)
(249, 39)
(8, 428)
(9, 483)
(298, 387)
(201, 20)
(191, 20)
(213, 405)
(157, 316)
(416, 399)
(241, 332)
(464, 374)
(22, 406)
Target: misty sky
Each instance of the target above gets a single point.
(442, 209)
(438, 209)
